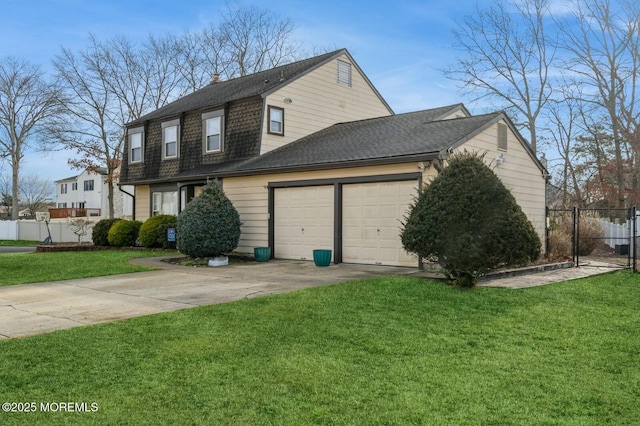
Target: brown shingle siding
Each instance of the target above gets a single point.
(241, 140)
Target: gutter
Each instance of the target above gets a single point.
(134, 200)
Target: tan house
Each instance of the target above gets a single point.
(312, 157)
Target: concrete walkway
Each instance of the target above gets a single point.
(550, 277)
(31, 309)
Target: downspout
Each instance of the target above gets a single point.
(134, 200)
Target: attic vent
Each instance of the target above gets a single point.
(502, 136)
(344, 73)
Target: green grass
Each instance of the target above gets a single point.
(21, 268)
(19, 243)
(397, 350)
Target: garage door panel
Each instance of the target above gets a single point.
(383, 206)
(303, 221)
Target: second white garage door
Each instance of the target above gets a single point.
(371, 222)
(303, 221)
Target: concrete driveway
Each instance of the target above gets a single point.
(16, 249)
(40, 308)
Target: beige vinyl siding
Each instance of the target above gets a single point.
(318, 101)
(518, 173)
(250, 196)
(142, 206)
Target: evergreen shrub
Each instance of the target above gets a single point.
(124, 233)
(209, 225)
(100, 233)
(469, 222)
(153, 232)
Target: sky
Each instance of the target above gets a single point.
(400, 45)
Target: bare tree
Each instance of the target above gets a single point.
(507, 58)
(110, 84)
(255, 39)
(603, 41)
(5, 196)
(27, 101)
(35, 194)
(561, 118)
(247, 40)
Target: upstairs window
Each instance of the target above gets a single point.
(74, 186)
(212, 131)
(344, 73)
(276, 120)
(502, 137)
(63, 188)
(136, 137)
(170, 136)
(88, 185)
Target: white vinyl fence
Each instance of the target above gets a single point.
(617, 234)
(37, 231)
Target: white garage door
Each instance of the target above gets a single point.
(303, 221)
(371, 221)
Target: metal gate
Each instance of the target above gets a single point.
(593, 236)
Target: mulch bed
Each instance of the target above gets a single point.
(204, 262)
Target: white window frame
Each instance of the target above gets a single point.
(63, 188)
(271, 120)
(173, 124)
(86, 184)
(344, 73)
(206, 118)
(137, 132)
(157, 202)
(74, 186)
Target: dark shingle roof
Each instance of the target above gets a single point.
(383, 138)
(238, 88)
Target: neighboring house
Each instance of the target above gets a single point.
(312, 157)
(86, 195)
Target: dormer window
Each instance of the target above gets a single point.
(344, 73)
(170, 139)
(136, 142)
(276, 120)
(213, 131)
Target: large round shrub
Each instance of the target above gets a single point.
(209, 225)
(153, 232)
(468, 222)
(124, 233)
(100, 233)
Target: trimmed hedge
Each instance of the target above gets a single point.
(153, 232)
(100, 235)
(124, 233)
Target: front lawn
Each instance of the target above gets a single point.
(21, 268)
(396, 350)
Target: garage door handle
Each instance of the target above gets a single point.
(303, 230)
